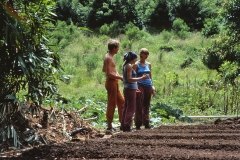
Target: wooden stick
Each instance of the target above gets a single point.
(85, 107)
(89, 119)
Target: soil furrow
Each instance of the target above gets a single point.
(224, 136)
(218, 141)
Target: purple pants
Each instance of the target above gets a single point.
(129, 106)
(143, 99)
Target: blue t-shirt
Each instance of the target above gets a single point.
(130, 85)
(141, 70)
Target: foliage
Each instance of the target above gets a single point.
(211, 27)
(178, 89)
(26, 62)
(193, 12)
(193, 51)
(232, 12)
(111, 30)
(73, 11)
(166, 35)
(158, 14)
(180, 28)
(166, 112)
(213, 57)
(229, 71)
(225, 51)
(106, 11)
(150, 15)
(34, 68)
(135, 33)
(62, 34)
(186, 63)
(90, 62)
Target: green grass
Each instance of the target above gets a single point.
(82, 59)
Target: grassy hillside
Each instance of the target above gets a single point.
(83, 58)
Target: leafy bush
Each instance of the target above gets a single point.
(232, 14)
(90, 62)
(192, 51)
(111, 30)
(166, 35)
(127, 44)
(100, 77)
(158, 14)
(63, 43)
(70, 70)
(166, 111)
(62, 35)
(128, 26)
(211, 27)
(26, 62)
(193, 12)
(229, 71)
(108, 11)
(104, 29)
(180, 28)
(135, 33)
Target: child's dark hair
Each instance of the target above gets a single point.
(129, 56)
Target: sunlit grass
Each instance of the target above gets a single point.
(165, 64)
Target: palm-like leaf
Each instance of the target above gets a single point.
(26, 63)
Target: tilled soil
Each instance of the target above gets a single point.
(218, 141)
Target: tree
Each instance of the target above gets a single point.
(107, 11)
(193, 12)
(73, 11)
(159, 17)
(224, 54)
(26, 62)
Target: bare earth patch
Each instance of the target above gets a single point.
(220, 140)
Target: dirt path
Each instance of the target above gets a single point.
(208, 141)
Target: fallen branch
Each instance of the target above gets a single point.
(89, 119)
(78, 130)
(80, 110)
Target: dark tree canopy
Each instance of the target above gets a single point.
(106, 11)
(224, 54)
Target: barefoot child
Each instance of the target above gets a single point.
(114, 96)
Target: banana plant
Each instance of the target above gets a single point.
(26, 61)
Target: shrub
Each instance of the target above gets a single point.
(100, 77)
(211, 27)
(129, 26)
(192, 51)
(63, 43)
(166, 35)
(127, 44)
(90, 62)
(180, 28)
(135, 33)
(111, 30)
(104, 29)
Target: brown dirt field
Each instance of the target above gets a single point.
(219, 141)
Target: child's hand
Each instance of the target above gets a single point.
(145, 76)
